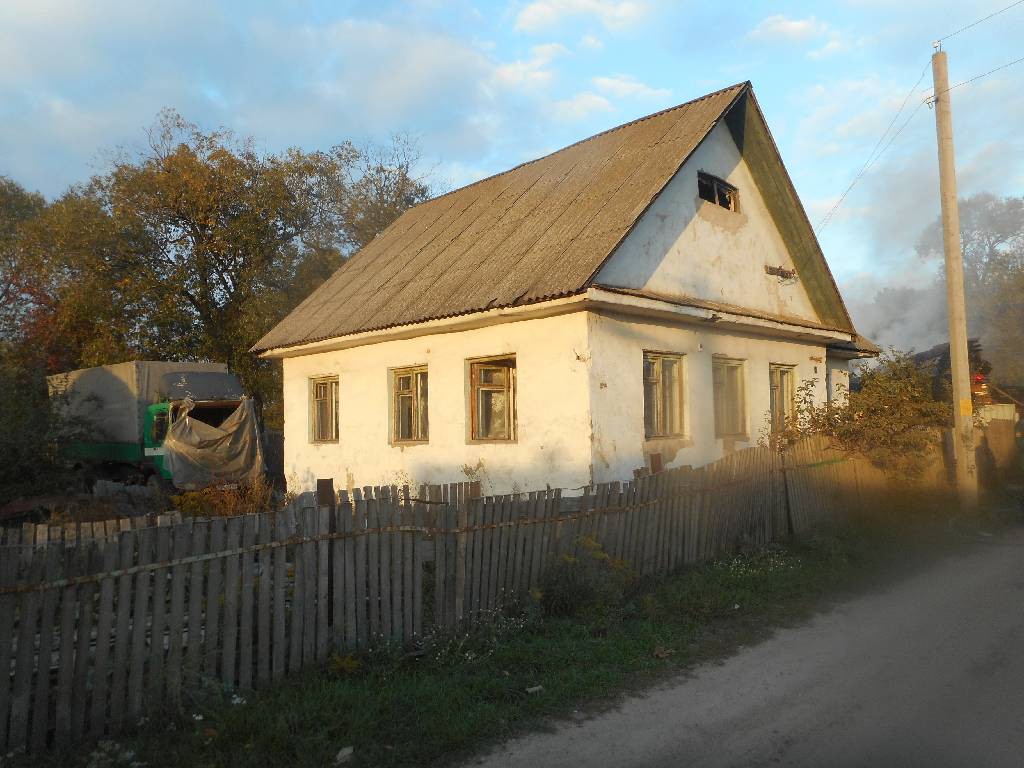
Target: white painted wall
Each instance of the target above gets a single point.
(617, 347)
(553, 445)
(686, 247)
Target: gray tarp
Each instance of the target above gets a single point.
(198, 455)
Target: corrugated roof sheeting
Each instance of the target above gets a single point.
(539, 231)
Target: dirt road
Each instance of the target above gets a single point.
(929, 672)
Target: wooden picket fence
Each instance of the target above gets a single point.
(96, 631)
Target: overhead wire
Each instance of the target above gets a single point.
(872, 157)
(979, 21)
(875, 153)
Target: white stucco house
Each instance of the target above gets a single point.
(648, 297)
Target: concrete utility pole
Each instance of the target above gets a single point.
(963, 410)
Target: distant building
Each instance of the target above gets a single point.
(649, 297)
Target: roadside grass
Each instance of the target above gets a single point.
(459, 693)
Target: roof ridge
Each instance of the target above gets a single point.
(743, 84)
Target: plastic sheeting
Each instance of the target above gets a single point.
(199, 455)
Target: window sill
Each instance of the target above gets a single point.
(479, 441)
(408, 443)
(674, 441)
(324, 442)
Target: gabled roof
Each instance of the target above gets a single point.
(542, 230)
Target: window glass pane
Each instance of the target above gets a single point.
(421, 385)
(404, 383)
(492, 416)
(492, 375)
(727, 381)
(323, 420)
(650, 408)
(672, 416)
(404, 418)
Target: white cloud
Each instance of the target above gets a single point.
(581, 106)
(626, 86)
(591, 42)
(836, 44)
(540, 15)
(779, 28)
(532, 72)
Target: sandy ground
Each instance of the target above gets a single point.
(929, 672)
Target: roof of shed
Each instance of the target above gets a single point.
(539, 231)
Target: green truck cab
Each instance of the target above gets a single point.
(158, 419)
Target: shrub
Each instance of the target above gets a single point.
(589, 585)
(893, 418)
(227, 500)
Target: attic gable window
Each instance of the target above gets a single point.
(717, 191)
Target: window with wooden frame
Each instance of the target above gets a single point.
(728, 384)
(492, 385)
(323, 409)
(782, 400)
(663, 395)
(409, 405)
(717, 191)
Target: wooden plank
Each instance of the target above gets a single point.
(499, 586)
(442, 552)
(214, 597)
(28, 618)
(322, 517)
(146, 541)
(89, 552)
(181, 540)
(104, 622)
(347, 519)
(193, 650)
(53, 555)
(264, 650)
(297, 615)
(336, 637)
(280, 589)
(156, 678)
(310, 576)
(66, 660)
(232, 567)
(387, 543)
(360, 587)
(461, 561)
(480, 540)
(246, 624)
(409, 560)
(418, 544)
(373, 566)
(122, 636)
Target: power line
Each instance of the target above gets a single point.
(872, 157)
(979, 21)
(983, 74)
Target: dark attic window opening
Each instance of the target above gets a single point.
(717, 191)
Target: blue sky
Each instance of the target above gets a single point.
(484, 86)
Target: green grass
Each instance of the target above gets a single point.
(464, 692)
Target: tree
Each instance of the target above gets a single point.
(197, 246)
(992, 232)
(17, 205)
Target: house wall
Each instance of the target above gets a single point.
(616, 357)
(686, 247)
(553, 411)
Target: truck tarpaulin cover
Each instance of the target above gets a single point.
(199, 455)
